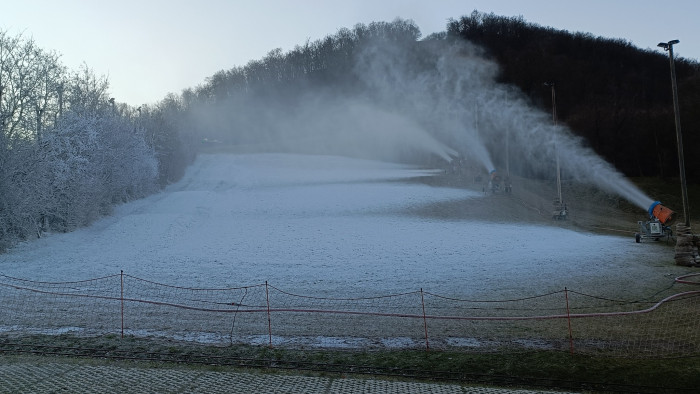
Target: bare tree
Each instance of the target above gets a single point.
(66, 154)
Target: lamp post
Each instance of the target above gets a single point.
(561, 208)
(505, 98)
(2, 118)
(668, 46)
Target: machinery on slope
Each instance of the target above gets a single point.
(497, 184)
(658, 225)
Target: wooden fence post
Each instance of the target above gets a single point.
(269, 321)
(568, 318)
(425, 322)
(121, 277)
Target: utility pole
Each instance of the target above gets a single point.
(60, 100)
(507, 138)
(686, 243)
(668, 46)
(2, 116)
(561, 211)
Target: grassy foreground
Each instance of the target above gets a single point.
(540, 369)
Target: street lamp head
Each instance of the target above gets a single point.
(667, 45)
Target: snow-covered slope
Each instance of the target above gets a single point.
(332, 226)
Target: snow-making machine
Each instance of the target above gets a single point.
(497, 184)
(560, 211)
(658, 225)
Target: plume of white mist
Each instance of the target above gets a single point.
(436, 85)
(352, 126)
(538, 143)
(457, 98)
(416, 99)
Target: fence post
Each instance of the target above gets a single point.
(568, 319)
(121, 277)
(425, 322)
(269, 322)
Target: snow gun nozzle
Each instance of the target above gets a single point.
(665, 215)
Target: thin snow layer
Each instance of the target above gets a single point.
(321, 225)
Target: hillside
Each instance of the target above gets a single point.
(329, 225)
(614, 96)
(590, 209)
(617, 97)
(375, 91)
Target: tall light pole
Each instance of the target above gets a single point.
(2, 118)
(668, 46)
(560, 201)
(505, 96)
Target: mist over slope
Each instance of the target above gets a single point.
(418, 102)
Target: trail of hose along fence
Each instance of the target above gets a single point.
(266, 314)
(88, 289)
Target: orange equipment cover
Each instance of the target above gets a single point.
(664, 214)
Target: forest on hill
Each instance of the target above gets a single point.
(69, 152)
(615, 96)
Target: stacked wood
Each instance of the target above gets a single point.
(686, 246)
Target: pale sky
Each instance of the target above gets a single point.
(149, 48)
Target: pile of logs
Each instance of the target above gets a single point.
(686, 246)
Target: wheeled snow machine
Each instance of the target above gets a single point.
(658, 225)
(497, 184)
(560, 211)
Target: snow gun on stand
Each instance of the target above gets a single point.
(657, 227)
(497, 184)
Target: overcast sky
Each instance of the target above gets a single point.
(148, 48)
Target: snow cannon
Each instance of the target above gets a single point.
(657, 227)
(665, 215)
(496, 184)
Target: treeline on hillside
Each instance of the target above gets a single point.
(373, 91)
(69, 152)
(253, 104)
(614, 95)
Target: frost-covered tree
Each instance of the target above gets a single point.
(67, 155)
(169, 131)
(28, 80)
(96, 162)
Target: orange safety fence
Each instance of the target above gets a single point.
(264, 314)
